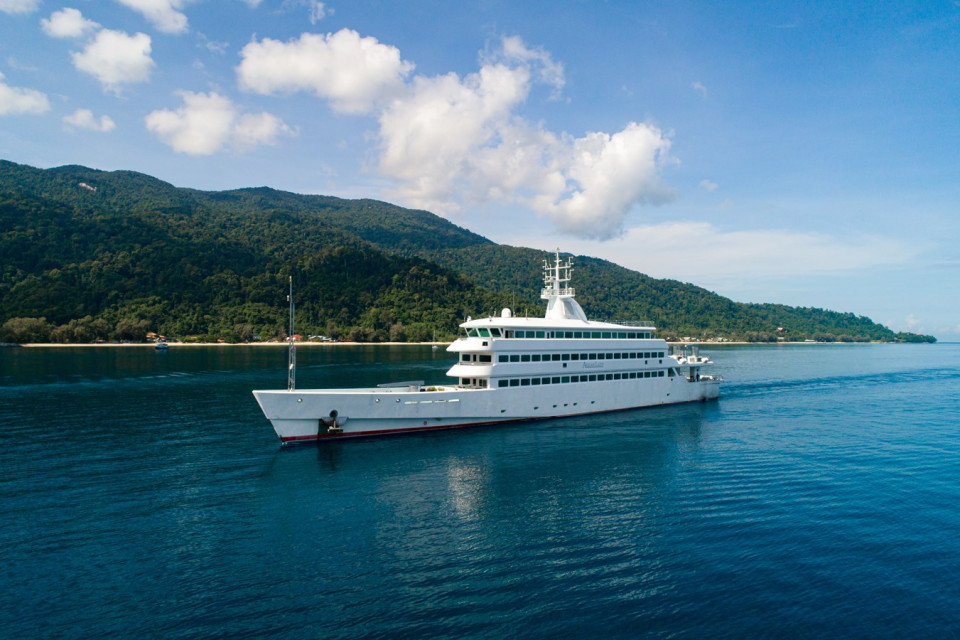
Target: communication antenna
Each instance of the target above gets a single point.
(292, 348)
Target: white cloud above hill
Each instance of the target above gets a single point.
(116, 58)
(67, 23)
(15, 7)
(352, 72)
(17, 100)
(164, 15)
(451, 141)
(84, 119)
(209, 122)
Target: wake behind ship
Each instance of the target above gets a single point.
(508, 370)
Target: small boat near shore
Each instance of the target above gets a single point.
(508, 369)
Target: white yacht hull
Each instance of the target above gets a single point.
(342, 413)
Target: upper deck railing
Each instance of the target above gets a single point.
(565, 292)
(629, 323)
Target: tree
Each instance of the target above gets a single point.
(26, 330)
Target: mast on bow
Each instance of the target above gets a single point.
(291, 348)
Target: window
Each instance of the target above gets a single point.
(565, 357)
(524, 358)
(605, 335)
(484, 333)
(485, 358)
(577, 334)
(514, 383)
(574, 356)
(495, 333)
(555, 380)
(565, 379)
(514, 358)
(503, 358)
(525, 382)
(540, 334)
(555, 357)
(464, 357)
(593, 377)
(535, 381)
(472, 333)
(503, 383)
(535, 357)
(595, 334)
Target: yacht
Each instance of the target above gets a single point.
(509, 369)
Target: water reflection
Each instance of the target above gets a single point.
(532, 472)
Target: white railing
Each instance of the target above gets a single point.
(566, 291)
(629, 323)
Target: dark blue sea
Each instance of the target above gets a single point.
(143, 494)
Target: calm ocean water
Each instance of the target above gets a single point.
(144, 494)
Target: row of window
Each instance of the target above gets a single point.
(495, 332)
(561, 357)
(564, 357)
(593, 377)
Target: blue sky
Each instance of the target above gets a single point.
(791, 152)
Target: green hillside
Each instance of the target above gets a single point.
(91, 255)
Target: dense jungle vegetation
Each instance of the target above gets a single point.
(99, 256)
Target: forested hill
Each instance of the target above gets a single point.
(91, 255)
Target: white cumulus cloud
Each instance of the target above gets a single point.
(453, 141)
(604, 177)
(165, 15)
(450, 141)
(209, 122)
(19, 6)
(352, 72)
(67, 23)
(15, 100)
(116, 58)
(84, 119)
(255, 129)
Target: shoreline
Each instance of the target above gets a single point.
(142, 345)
